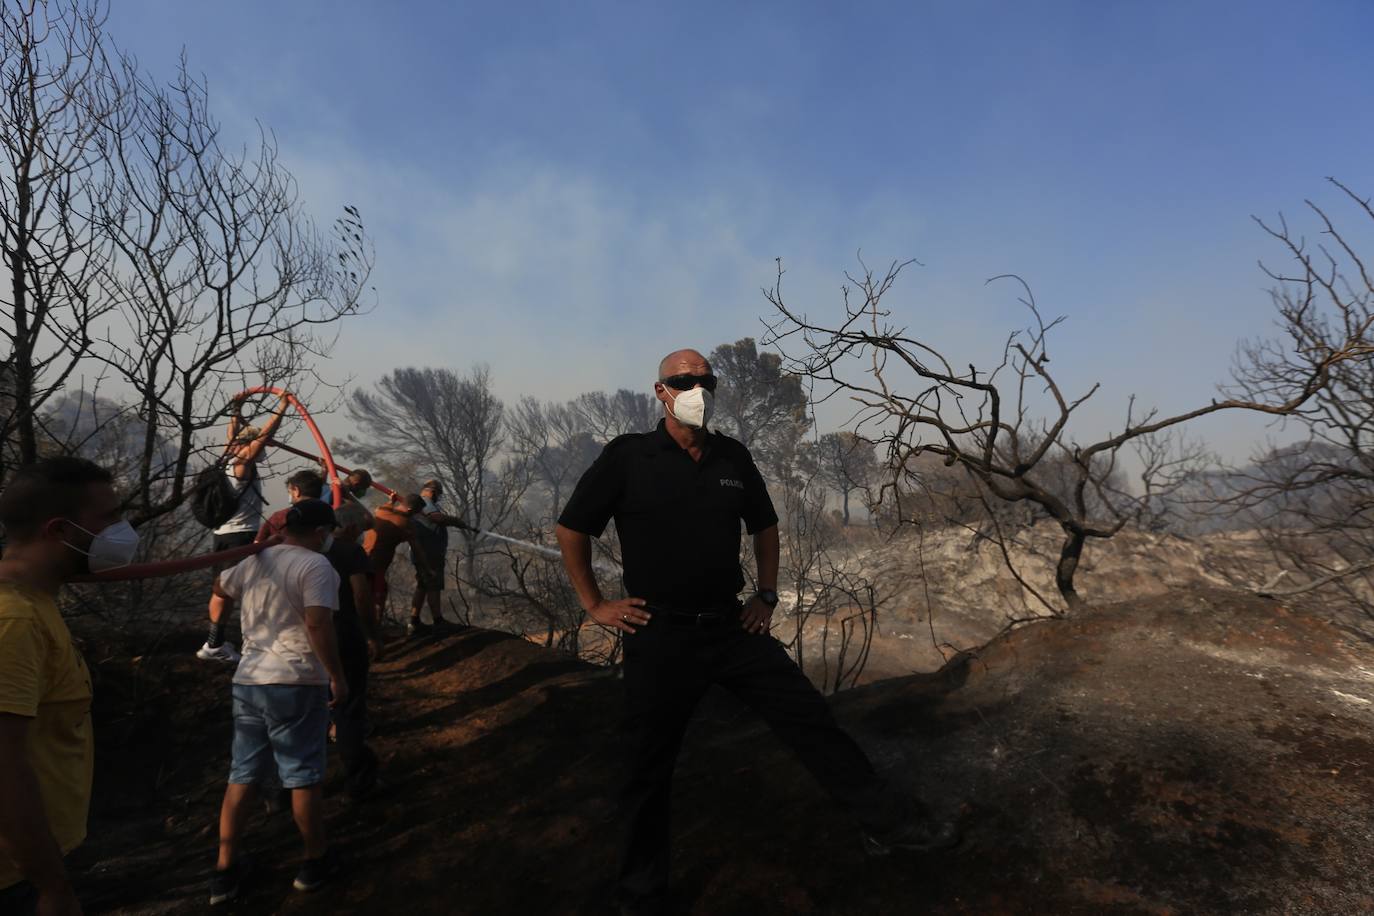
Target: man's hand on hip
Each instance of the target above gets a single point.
(757, 616)
(624, 614)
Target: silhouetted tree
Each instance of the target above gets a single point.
(912, 401)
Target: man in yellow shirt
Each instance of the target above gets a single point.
(62, 519)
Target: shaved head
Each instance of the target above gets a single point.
(688, 362)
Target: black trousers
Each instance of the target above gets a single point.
(350, 718)
(668, 667)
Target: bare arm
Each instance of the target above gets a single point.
(767, 549)
(220, 602)
(367, 613)
(25, 837)
(450, 521)
(257, 445)
(319, 630)
(625, 614)
(757, 616)
(362, 600)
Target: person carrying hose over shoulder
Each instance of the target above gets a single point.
(431, 533)
(392, 526)
(246, 449)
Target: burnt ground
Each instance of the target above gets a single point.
(1198, 752)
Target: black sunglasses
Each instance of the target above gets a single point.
(686, 381)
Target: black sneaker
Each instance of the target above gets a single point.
(417, 628)
(225, 885)
(913, 836)
(315, 873)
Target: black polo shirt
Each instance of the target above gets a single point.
(678, 519)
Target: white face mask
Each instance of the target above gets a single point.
(112, 548)
(328, 543)
(692, 408)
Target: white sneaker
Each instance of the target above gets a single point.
(224, 652)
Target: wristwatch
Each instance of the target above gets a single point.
(767, 596)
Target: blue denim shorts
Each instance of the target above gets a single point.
(285, 724)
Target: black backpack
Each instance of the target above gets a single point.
(213, 498)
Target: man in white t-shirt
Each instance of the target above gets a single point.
(287, 597)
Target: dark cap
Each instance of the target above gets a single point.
(310, 513)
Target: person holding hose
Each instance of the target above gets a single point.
(246, 449)
(431, 535)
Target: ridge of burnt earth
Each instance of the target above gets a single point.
(1194, 752)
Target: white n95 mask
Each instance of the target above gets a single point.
(112, 548)
(693, 407)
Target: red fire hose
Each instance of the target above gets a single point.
(331, 471)
(338, 467)
(162, 568)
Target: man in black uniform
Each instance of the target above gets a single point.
(678, 495)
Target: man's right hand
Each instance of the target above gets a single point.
(338, 692)
(57, 900)
(623, 614)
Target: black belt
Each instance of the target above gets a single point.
(695, 618)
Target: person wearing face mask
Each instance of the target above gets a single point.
(431, 534)
(62, 519)
(678, 495)
(282, 688)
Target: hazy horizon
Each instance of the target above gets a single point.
(566, 193)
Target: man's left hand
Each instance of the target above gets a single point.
(757, 617)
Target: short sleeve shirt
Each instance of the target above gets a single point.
(44, 679)
(275, 525)
(273, 589)
(678, 520)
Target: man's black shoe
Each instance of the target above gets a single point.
(315, 873)
(913, 836)
(416, 628)
(225, 885)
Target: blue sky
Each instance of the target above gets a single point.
(565, 191)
